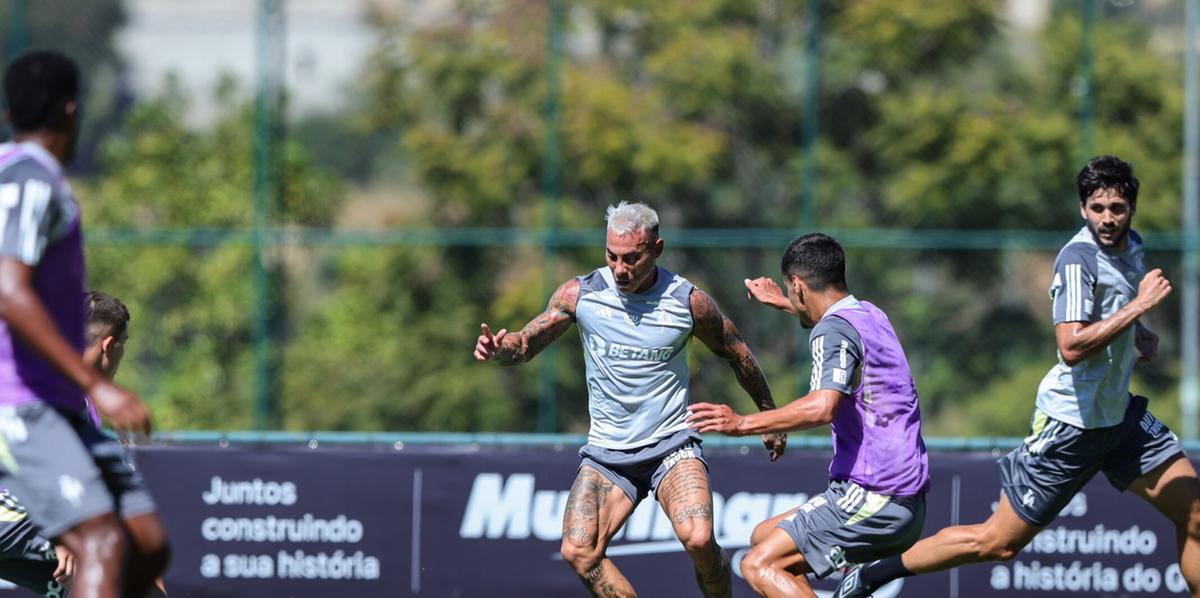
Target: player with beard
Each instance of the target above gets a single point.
(1086, 420)
(635, 320)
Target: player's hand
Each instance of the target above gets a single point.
(1154, 288)
(776, 443)
(487, 344)
(708, 417)
(66, 565)
(123, 409)
(1146, 343)
(765, 291)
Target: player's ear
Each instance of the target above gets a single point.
(658, 247)
(105, 342)
(799, 288)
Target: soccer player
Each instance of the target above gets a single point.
(107, 333)
(1086, 421)
(635, 319)
(27, 558)
(862, 388)
(69, 476)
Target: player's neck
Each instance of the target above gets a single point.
(53, 141)
(823, 301)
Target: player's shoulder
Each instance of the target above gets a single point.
(836, 326)
(1081, 249)
(567, 293)
(23, 167)
(591, 282)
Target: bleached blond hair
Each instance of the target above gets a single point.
(627, 218)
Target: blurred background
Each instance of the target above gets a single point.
(310, 206)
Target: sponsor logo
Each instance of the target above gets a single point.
(604, 349)
(71, 490)
(512, 507)
(685, 452)
(1027, 498)
(837, 558)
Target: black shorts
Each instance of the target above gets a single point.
(1042, 475)
(26, 557)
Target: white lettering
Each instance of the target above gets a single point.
(276, 529)
(498, 511)
(299, 565)
(743, 511)
(1075, 577)
(1098, 540)
(248, 566)
(548, 509)
(253, 492)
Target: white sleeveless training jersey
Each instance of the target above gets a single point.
(634, 348)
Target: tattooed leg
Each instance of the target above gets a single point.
(596, 509)
(686, 498)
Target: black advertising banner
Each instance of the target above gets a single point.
(486, 521)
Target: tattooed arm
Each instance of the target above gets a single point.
(718, 333)
(523, 345)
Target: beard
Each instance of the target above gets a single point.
(1113, 237)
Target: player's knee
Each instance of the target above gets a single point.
(760, 533)
(581, 558)
(99, 535)
(149, 543)
(754, 567)
(698, 539)
(155, 558)
(1191, 521)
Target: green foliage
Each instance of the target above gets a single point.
(932, 114)
(189, 353)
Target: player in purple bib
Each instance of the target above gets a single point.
(862, 388)
(69, 477)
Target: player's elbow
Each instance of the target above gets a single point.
(828, 411)
(10, 297)
(1071, 356)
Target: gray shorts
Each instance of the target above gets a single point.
(64, 470)
(849, 524)
(638, 471)
(1042, 475)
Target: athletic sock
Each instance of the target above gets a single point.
(884, 570)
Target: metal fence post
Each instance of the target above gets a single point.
(547, 416)
(267, 118)
(1189, 394)
(18, 28)
(1087, 82)
(811, 123)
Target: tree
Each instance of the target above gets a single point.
(191, 302)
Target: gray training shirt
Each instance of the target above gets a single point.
(634, 350)
(837, 350)
(1091, 284)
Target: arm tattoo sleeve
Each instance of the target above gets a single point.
(523, 345)
(719, 334)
